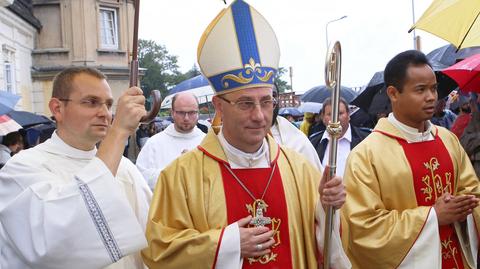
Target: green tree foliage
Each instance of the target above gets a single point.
(161, 67)
(193, 72)
(282, 85)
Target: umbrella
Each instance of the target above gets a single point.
(27, 119)
(373, 99)
(284, 111)
(310, 107)
(364, 99)
(448, 55)
(7, 102)
(454, 21)
(7, 125)
(466, 73)
(320, 93)
(198, 85)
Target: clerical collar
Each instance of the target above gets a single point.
(56, 145)
(239, 159)
(412, 135)
(170, 130)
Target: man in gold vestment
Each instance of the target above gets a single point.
(411, 189)
(240, 200)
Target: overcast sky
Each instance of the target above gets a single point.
(373, 32)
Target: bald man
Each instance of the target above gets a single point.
(176, 139)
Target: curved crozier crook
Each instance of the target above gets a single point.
(156, 102)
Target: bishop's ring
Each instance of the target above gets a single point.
(259, 247)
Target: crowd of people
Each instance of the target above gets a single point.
(252, 191)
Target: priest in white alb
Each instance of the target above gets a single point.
(65, 203)
(178, 138)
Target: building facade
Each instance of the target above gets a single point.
(95, 33)
(18, 30)
(39, 38)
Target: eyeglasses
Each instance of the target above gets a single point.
(91, 103)
(185, 113)
(247, 105)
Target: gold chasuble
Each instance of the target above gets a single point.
(197, 196)
(259, 192)
(392, 186)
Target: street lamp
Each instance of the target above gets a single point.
(414, 35)
(326, 27)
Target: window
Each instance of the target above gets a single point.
(9, 77)
(108, 28)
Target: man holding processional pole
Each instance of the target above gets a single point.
(240, 200)
(66, 203)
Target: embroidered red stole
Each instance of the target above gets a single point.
(432, 171)
(240, 205)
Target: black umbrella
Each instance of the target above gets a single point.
(27, 119)
(373, 99)
(448, 55)
(365, 98)
(320, 93)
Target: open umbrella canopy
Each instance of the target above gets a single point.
(320, 93)
(311, 107)
(448, 55)
(454, 21)
(27, 119)
(284, 111)
(7, 125)
(7, 102)
(198, 85)
(373, 99)
(466, 73)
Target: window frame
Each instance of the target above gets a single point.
(103, 28)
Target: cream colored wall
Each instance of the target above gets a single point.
(42, 91)
(79, 37)
(80, 44)
(17, 36)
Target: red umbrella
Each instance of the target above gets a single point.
(7, 125)
(466, 73)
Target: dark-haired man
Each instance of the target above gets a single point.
(65, 204)
(11, 144)
(349, 138)
(411, 188)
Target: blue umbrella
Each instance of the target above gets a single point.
(198, 86)
(27, 119)
(284, 111)
(192, 83)
(7, 102)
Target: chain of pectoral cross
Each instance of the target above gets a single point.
(258, 219)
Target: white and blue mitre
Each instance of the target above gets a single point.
(238, 50)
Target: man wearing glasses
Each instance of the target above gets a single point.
(178, 138)
(240, 200)
(67, 204)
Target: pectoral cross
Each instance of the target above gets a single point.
(259, 220)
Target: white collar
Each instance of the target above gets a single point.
(240, 159)
(347, 136)
(170, 130)
(57, 146)
(412, 135)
